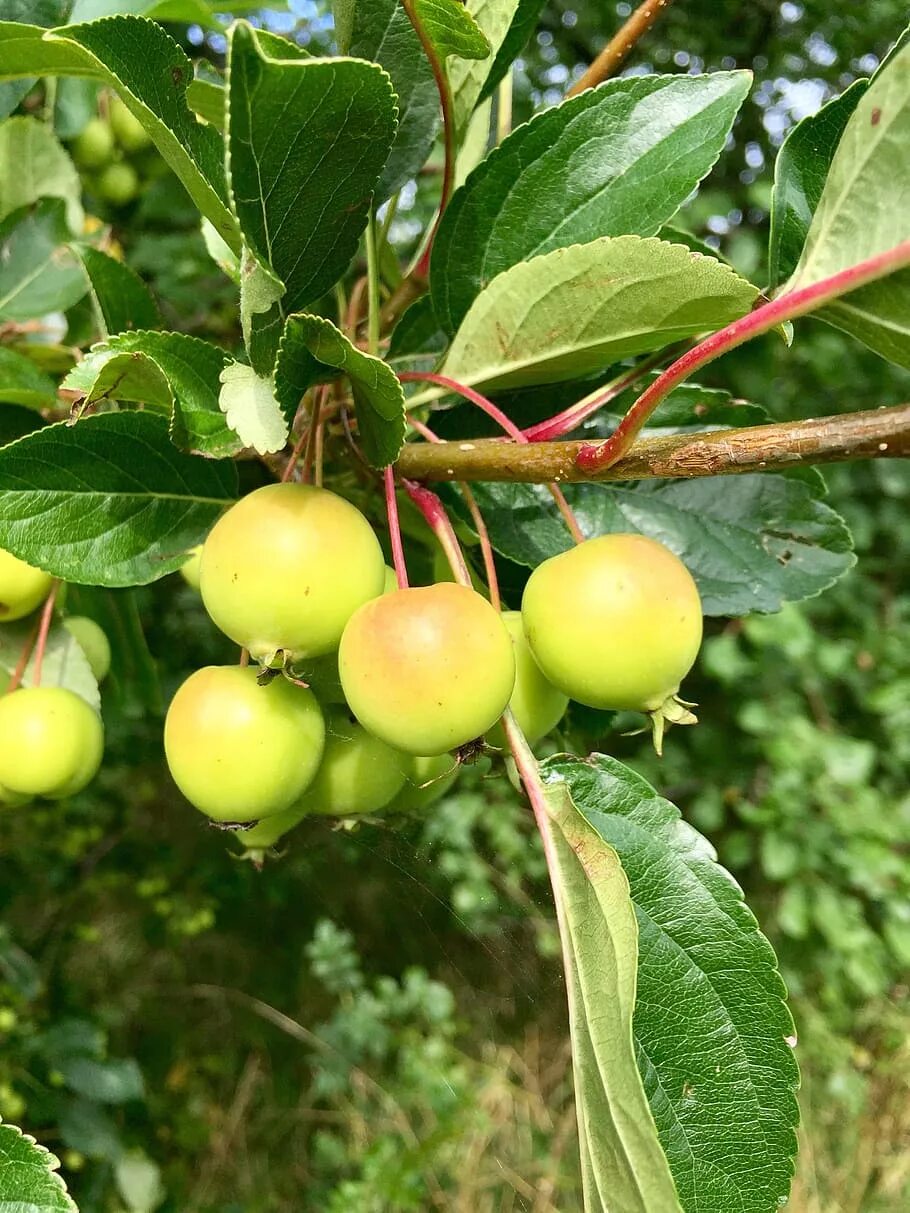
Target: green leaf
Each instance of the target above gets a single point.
(251, 410)
(576, 310)
(344, 13)
(382, 32)
(132, 684)
(688, 409)
(122, 298)
(113, 1081)
(623, 1166)
(109, 501)
(151, 73)
(22, 383)
(314, 351)
(799, 177)
(65, 664)
(16, 421)
(38, 271)
(751, 542)
(29, 1182)
(34, 165)
(307, 140)
(615, 160)
(862, 212)
(75, 104)
(139, 1182)
(468, 76)
(451, 29)
(207, 99)
(713, 1033)
(524, 23)
(171, 372)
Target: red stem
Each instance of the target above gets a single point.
(486, 547)
(785, 307)
(572, 417)
(505, 423)
(22, 663)
(44, 626)
(295, 454)
(448, 131)
(438, 521)
(391, 505)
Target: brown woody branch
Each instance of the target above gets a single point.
(619, 46)
(875, 434)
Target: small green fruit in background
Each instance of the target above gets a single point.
(191, 569)
(51, 742)
(118, 184)
(22, 588)
(358, 774)
(93, 641)
(93, 147)
(128, 130)
(239, 751)
(427, 669)
(426, 781)
(536, 704)
(285, 568)
(615, 622)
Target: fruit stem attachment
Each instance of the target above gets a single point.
(44, 626)
(391, 505)
(592, 458)
(448, 130)
(505, 423)
(439, 523)
(619, 46)
(486, 547)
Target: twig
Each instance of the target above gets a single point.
(505, 423)
(619, 46)
(785, 307)
(873, 434)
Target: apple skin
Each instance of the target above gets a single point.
(51, 742)
(127, 129)
(537, 705)
(426, 781)
(614, 623)
(22, 588)
(118, 184)
(239, 751)
(359, 774)
(427, 669)
(285, 568)
(94, 643)
(93, 147)
(191, 569)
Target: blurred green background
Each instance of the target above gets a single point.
(376, 1021)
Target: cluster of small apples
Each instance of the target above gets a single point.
(51, 739)
(114, 153)
(363, 695)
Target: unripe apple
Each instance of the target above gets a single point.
(285, 568)
(118, 184)
(358, 774)
(426, 781)
(93, 147)
(536, 704)
(191, 568)
(51, 742)
(22, 588)
(128, 130)
(270, 830)
(239, 751)
(94, 643)
(615, 622)
(427, 669)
